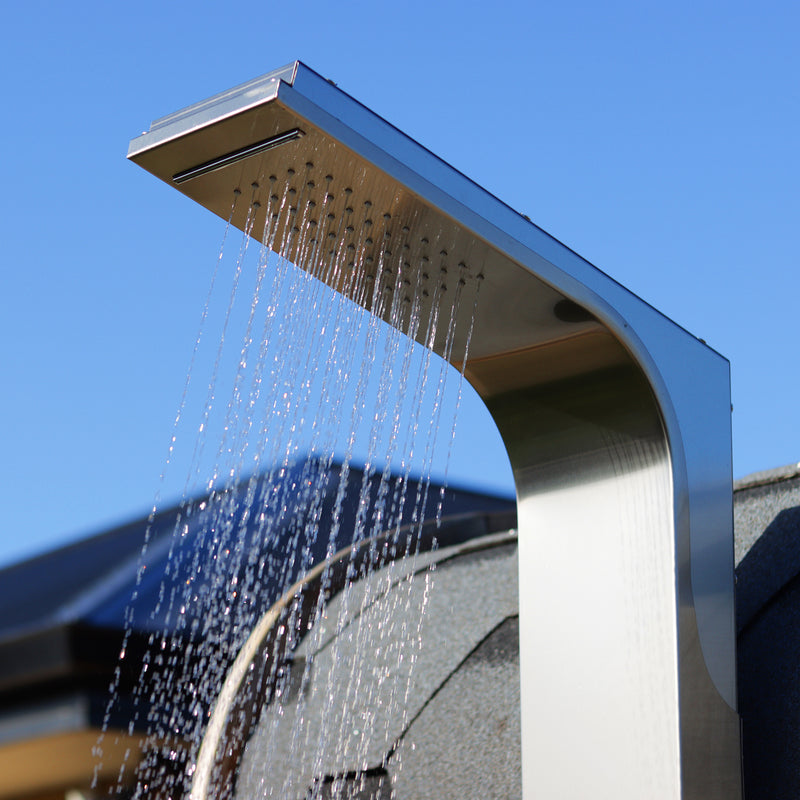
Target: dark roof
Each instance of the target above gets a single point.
(62, 614)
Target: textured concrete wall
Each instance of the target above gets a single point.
(767, 524)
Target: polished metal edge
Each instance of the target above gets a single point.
(222, 105)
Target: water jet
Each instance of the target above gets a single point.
(616, 421)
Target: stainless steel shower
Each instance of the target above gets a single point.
(616, 422)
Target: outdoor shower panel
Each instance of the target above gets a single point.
(616, 422)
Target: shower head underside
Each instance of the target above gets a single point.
(331, 203)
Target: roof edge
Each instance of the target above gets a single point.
(767, 477)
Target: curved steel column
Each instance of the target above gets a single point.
(617, 424)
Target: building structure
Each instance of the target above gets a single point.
(62, 617)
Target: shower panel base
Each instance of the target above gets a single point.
(616, 422)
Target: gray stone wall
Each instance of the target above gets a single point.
(767, 528)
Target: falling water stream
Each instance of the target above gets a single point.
(310, 426)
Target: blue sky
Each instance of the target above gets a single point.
(658, 141)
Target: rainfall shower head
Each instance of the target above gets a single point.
(256, 139)
(616, 421)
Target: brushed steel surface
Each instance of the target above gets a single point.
(617, 424)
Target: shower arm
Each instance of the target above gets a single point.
(616, 422)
